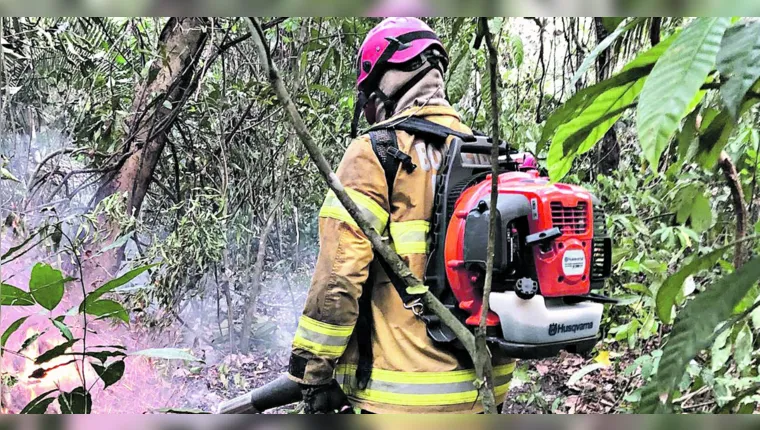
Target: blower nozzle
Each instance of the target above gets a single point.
(280, 392)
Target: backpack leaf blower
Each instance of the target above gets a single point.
(552, 251)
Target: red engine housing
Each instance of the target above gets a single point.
(563, 267)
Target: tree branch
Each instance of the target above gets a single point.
(378, 243)
(483, 361)
(737, 195)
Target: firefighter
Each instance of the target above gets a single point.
(400, 73)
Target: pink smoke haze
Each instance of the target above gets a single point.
(144, 386)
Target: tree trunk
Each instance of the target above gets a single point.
(156, 105)
(608, 153)
(258, 269)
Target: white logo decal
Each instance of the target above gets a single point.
(434, 155)
(574, 262)
(422, 155)
(534, 209)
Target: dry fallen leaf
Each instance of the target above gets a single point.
(603, 358)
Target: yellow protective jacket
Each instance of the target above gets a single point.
(410, 373)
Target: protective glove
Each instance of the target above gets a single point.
(325, 399)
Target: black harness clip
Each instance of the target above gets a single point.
(405, 159)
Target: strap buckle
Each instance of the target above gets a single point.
(405, 159)
(416, 307)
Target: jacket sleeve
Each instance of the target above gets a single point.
(342, 267)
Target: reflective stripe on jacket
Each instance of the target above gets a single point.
(410, 373)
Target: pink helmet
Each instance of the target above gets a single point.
(394, 40)
(529, 162)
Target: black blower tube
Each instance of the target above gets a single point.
(280, 392)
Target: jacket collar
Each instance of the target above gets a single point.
(423, 112)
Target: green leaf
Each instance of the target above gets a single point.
(459, 78)
(674, 83)
(11, 329)
(118, 243)
(39, 404)
(63, 329)
(578, 375)
(623, 26)
(78, 401)
(327, 90)
(516, 49)
(581, 134)
(6, 174)
(637, 69)
(739, 58)
(720, 351)
(55, 352)
(584, 98)
(687, 136)
(666, 295)
(639, 288)
(30, 340)
(180, 411)
(743, 345)
(717, 130)
(111, 374)
(694, 331)
(610, 23)
(684, 202)
(12, 296)
(701, 214)
(166, 353)
(101, 356)
(114, 284)
(46, 285)
(107, 309)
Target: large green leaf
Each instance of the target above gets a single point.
(674, 84)
(114, 284)
(739, 58)
(78, 401)
(694, 331)
(12, 296)
(111, 374)
(585, 97)
(46, 285)
(634, 71)
(10, 330)
(107, 309)
(55, 352)
(666, 295)
(623, 26)
(167, 354)
(580, 134)
(39, 404)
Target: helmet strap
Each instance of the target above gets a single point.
(361, 101)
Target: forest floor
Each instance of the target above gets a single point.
(538, 387)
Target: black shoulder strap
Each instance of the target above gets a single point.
(421, 127)
(384, 144)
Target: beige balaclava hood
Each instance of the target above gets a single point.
(427, 92)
